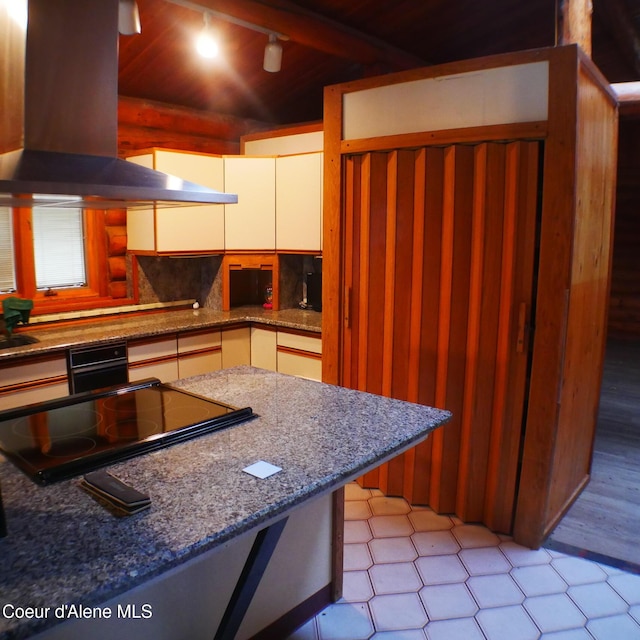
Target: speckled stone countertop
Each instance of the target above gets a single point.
(128, 326)
(62, 547)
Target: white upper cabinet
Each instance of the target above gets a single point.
(250, 225)
(299, 202)
(197, 229)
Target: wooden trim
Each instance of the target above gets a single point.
(332, 303)
(300, 332)
(178, 254)
(468, 438)
(444, 318)
(363, 273)
(281, 132)
(499, 132)
(446, 69)
(389, 273)
(299, 352)
(157, 360)
(249, 260)
(198, 352)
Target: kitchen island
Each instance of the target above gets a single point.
(65, 552)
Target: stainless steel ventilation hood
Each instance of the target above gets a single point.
(58, 115)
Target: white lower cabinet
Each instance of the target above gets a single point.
(293, 352)
(299, 355)
(236, 347)
(199, 352)
(193, 353)
(263, 348)
(33, 380)
(153, 358)
(171, 357)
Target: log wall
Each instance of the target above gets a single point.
(624, 309)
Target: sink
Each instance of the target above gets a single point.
(19, 340)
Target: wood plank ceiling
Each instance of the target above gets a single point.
(333, 41)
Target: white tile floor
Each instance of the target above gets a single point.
(411, 574)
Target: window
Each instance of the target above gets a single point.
(7, 257)
(58, 248)
(55, 256)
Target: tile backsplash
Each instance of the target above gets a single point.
(167, 279)
(164, 279)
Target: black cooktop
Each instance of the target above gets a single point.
(69, 436)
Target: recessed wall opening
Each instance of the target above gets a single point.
(248, 286)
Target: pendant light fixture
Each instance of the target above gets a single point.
(206, 44)
(128, 18)
(272, 55)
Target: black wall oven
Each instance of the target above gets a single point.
(97, 367)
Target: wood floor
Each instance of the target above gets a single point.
(605, 519)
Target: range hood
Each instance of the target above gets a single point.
(58, 115)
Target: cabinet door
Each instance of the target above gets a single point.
(299, 202)
(236, 347)
(251, 223)
(191, 229)
(182, 229)
(263, 348)
(153, 358)
(141, 223)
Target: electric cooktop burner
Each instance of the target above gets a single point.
(63, 438)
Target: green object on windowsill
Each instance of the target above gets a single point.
(14, 311)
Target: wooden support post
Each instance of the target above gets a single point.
(574, 23)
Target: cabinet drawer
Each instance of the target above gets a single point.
(300, 342)
(141, 350)
(198, 340)
(40, 369)
(199, 363)
(45, 390)
(165, 371)
(300, 365)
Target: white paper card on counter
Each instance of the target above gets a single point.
(262, 469)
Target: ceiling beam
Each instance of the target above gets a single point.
(618, 21)
(575, 23)
(313, 30)
(628, 98)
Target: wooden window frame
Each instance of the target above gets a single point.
(93, 294)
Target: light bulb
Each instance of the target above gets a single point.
(272, 55)
(206, 44)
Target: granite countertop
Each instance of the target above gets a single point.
(128, 326)
(62, 547)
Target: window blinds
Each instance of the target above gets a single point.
(58, 245)
(7, 262)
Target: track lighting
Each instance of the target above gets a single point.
(128, 17)
(272, 54)
(206, 44)
(273, 51)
